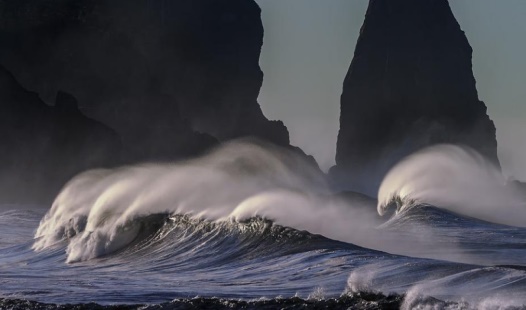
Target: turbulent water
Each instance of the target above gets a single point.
(250, 226)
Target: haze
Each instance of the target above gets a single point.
(309, 45)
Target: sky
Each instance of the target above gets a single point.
(309, 44)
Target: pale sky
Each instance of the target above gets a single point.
(309, 45)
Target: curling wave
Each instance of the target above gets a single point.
(100, 212)
(455, 178)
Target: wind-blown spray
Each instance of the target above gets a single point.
(100, 211)
(452, 177)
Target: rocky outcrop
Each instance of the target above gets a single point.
(410, 85)
(172, 78)
(148, 68)
(42, 147)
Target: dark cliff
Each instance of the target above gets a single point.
(410, 85)
(42, 147)
(172, 78)
(148, 68)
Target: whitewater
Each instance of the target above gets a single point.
(251, 224)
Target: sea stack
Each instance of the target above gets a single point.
(410, 85)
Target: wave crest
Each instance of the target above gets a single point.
(452, 177)
(101, 211)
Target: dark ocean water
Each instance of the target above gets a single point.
(255, 263)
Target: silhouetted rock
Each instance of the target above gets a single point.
(43, 146)
(173, 78)
(142, 66)
(410, 85)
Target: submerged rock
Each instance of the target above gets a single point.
(410, 85)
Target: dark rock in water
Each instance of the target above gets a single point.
(354, 301)
(410, 85)
(44, 146)
(151, 69)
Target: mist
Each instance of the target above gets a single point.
(307, 49)
(308, 46)
(156, 150)
(100, 211)
(495, 31)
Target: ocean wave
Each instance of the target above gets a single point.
(428, 284)
(456, 178)
(248, 221)
(102, 211)
(174, 256)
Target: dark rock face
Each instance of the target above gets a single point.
(410, 85)
(43, 146)
(148, 68)
(172, 78)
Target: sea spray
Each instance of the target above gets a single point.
(452, 177)
(100, 211)
(232, 225)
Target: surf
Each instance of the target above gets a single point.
(100, 212)
(455, 178)
(252, 221)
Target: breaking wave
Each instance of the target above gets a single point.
(102, 211)
(250, 221)
(455, 178)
